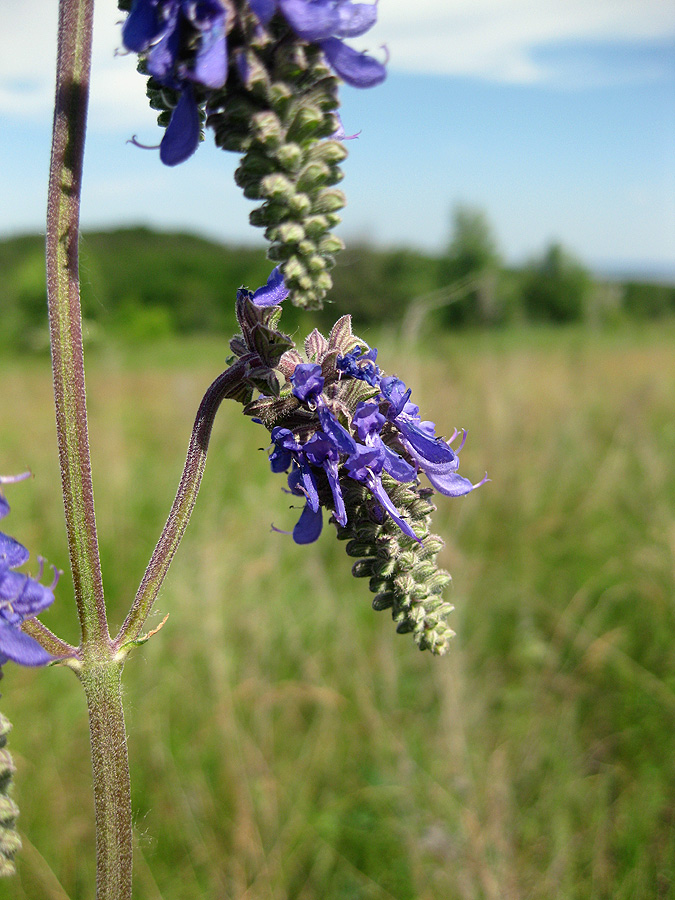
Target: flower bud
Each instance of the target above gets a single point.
(10, 843)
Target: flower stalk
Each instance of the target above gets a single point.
(65, 323)
(227, 384)
(97, 668)
(112, 785)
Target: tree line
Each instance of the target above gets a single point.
(145, 285)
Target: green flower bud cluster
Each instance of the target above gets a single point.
(403, 574)
(10, 842)
(278, 108)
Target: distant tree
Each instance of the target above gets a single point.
(556, 287)
(649, 301)
(471, 255)
(472, 245)
(377, 285)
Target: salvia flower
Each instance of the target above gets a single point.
(21, 597)
(351, 442)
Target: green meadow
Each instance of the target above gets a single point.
(285, 742)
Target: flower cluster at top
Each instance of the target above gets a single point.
(185, 43)
(21, 596)
(263, 76)
(351, 441)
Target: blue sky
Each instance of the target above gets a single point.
(557, 117)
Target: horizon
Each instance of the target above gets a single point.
(647, 273)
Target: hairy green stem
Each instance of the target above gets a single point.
(95, 664)
(183, 504)
(63, 293)
(112, 787)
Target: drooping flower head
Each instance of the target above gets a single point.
(350, 441)
(264, 74)
(184, 43)
(21, 596)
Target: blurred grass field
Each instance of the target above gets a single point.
(284, 741)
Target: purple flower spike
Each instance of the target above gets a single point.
(331, 436)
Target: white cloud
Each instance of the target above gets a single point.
(492, 39)
(29, 57)
(497, 39)
(28, 65)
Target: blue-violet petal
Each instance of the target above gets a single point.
(357, 69)
(181, 137)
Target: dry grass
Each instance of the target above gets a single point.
(285, 742)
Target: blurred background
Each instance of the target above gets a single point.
(511, 252)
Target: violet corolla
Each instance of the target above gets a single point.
(21, 596)
(326, 23)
